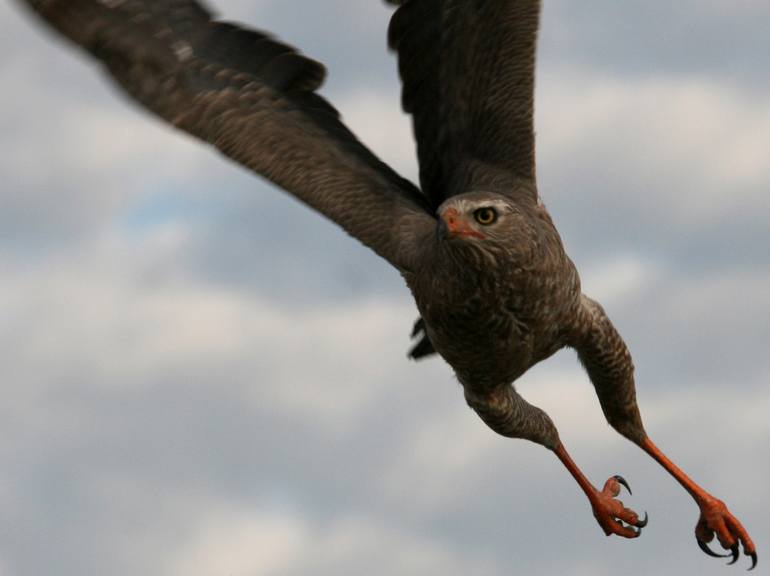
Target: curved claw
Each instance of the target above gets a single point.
(705, 547)
(735, 552)
(622, 481)
(753, 557)
(642, 523)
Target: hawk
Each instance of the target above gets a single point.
(494, 287)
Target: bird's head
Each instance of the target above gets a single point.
(479, 217)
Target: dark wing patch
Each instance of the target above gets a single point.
(254, 99)
(467, 68)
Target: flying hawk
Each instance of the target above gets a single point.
(495, 290)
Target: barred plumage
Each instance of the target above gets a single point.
(494, 287)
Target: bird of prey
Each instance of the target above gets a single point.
(494, 287)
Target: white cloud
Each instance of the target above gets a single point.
(375, 116)
(150, 411)
(240, 543)
(708, 327)
(616, 282)
(690, 150)
(74, 162)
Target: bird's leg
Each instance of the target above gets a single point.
(715, 518)
(608, 510)
(504, 411)
(608, 363)
(508, 414)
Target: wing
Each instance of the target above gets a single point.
(254, 99)
(467, 68)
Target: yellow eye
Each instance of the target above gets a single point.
(485, 216)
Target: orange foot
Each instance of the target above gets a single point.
(612, 516)
(715, 519)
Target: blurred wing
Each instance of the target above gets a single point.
(467, 68)
(254, 99)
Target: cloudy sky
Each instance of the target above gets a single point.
(200, 376)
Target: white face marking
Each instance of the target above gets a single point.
(467, 206)
(460, 216)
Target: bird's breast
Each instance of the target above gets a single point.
(472, 323)
(492, 325)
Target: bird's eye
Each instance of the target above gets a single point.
(485, 216)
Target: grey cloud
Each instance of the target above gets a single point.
(197, 369)
(168, 430)
(718, 38)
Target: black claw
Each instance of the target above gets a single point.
(705, 547)
(753, 557)
(642, 523)
(622, 481)
(735, 551)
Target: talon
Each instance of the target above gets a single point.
(705, 547)
(613, 517)
(753, 557)
(622, 481)
(735, 552)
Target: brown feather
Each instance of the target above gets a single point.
(254, 99)
(467, 68)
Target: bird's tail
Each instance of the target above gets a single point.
(424, 346)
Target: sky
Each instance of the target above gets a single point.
(201, 376)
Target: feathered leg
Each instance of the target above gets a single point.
(608, 363)
(510, 415)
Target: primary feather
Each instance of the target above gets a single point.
(495, 289)
(254, 99)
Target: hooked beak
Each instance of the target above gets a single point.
(453, 224)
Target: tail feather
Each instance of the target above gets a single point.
(424, 347)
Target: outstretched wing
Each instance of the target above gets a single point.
(467, 68)
(254, 99)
